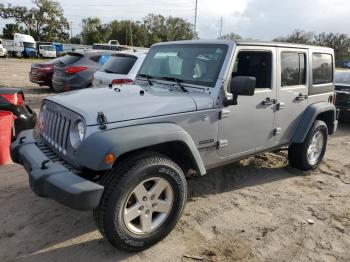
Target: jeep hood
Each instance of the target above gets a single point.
(129, 102)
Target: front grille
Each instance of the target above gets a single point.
(56, 158)
(56, 130)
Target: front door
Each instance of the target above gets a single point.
(249, 126)
(291, 92)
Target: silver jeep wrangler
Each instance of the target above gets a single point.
(124, 151)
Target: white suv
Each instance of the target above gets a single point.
(121, 68)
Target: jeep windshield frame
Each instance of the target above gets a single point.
(194, 64)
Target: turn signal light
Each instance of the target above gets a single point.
(109, 158)
(74, 69)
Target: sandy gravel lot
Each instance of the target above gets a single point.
(255, 210)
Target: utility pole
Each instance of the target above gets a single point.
(220, 27)
(71, 30)
(132, 44)
(195, 20)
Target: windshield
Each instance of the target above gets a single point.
(48, 47)
(197, 64)
(119, 64)
(28, 45)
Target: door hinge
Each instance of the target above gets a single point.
(222, 143)
(277, 131)
(224, 113)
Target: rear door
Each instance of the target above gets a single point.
(292, 91)
(248, 126)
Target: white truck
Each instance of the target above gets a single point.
(22, 46)
(3, 51)
(47, 51)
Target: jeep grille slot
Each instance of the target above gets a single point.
(56, 130)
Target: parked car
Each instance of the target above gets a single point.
(47, 51)
(76, 70)
(41, 73)
(12, 99)
(342, 90)
(120, 68)
(3, 50)
(124, 152)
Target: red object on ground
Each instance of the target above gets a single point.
(6, 125)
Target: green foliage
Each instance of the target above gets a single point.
(338, 41)
(10, 29)
(297, 37)
(153, 29)
(231, 36)
(45, 21)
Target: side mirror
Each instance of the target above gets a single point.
(240, 86)
(243, 86)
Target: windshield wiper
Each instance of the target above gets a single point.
(148, 78)
(177, 81)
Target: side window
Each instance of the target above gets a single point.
(95, 58)
(257, 64)
(293, 71)
(322, 69)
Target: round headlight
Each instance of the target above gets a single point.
(77, 133)
(81, 130)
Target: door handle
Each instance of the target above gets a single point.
(280, 105)
(268, 101)
(301, 97)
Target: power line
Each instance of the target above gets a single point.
(220, 26)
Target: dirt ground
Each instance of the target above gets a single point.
(257, 210)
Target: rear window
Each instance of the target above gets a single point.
(293, 69)
(70, 59)
(322, 68)
(120, 64)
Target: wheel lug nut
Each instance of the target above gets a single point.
(141, 208)
(144, 198)
(147, 212)
(152, 197)
(154, 205)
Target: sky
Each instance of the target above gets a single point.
(256, 19)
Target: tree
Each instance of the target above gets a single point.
(93, 31)
(168, 29)
(45, 21)
(231, 36)
(339, 42)
(297, 37)
(10, 29)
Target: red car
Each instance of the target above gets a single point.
(41, 73)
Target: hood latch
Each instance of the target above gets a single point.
(102, 120)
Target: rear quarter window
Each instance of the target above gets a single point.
(322, 69)
(70, 59)
(322, 73)
(119, 64)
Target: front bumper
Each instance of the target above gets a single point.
(52, 180)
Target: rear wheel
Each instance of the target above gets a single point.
(309, 154)
(143, 200)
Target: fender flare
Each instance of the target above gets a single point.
(119, 141)
(308, 118)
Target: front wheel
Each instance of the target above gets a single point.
(143, 200)
(309, 154)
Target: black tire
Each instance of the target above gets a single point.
(119, 184)
(297, 153)
(57, 90)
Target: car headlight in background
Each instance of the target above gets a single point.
(77, 133)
